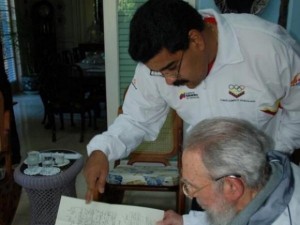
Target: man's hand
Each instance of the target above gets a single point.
(171, 218)
(95, 172)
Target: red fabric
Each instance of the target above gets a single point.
(211, 20)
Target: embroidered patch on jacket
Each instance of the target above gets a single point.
(296, 80)
(188, 95)
(273, 109)
(236, 90)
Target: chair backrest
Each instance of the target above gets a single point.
(149, 158)
(76, 82)
(67, 57)
(167, 146)
(61, 84)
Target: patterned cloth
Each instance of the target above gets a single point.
(144, 175)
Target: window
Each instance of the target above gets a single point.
(8, 37)
(126, 9)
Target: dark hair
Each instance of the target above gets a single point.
(159, 24)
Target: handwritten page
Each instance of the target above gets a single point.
(73, 211)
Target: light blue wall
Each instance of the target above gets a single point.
(293, 25)
(271, 13)
(205, 4)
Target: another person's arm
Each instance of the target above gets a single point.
(144, 112)
(171, 218)
(95, 172)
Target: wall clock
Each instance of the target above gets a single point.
(43, 10)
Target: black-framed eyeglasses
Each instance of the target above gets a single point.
(186, 187)
(168, 75)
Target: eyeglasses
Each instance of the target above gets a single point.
(168, 75)
(186, 187)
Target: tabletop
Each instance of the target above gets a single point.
(65, 175)
(92, 69)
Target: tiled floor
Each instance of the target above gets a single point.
(33, 136)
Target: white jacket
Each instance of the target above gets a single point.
(253, 78)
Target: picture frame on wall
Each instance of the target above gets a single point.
(238, 6)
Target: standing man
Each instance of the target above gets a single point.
(202, 65)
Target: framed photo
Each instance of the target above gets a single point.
(241, 6)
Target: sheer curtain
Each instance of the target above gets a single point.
(8, 38)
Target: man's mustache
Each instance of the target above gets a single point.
(180, 82)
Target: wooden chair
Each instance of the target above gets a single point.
(54, 95)
(67, 57)
(62, 91)
(78, 55)
(143, 177)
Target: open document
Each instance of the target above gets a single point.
(73, 211)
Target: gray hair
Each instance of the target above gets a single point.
(232, 146)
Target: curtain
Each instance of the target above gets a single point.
(8, 37)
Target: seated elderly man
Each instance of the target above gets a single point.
(229, 168)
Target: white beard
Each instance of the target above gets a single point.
(221, 213)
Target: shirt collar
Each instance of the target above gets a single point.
(229, 51)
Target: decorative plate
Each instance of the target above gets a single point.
(33, 171)
(66, 162)
(49, 171)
